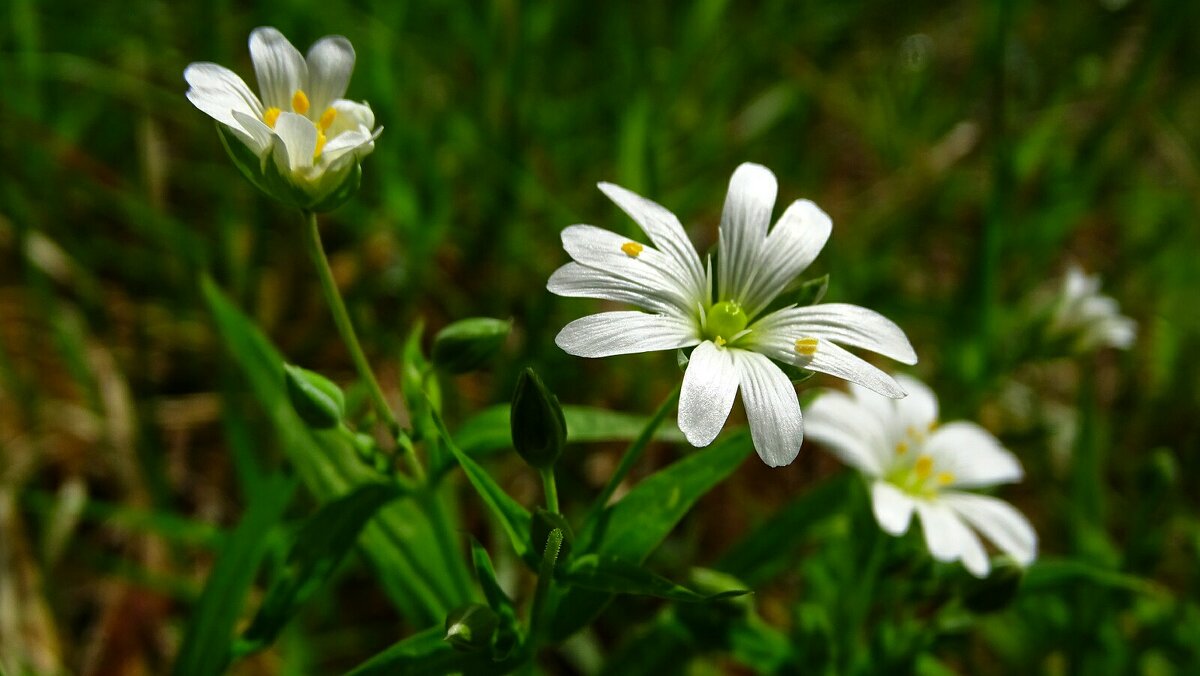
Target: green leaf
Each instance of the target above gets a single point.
(320, 545)
(400, 543)
(617, 576)
(1053, 574)
(514, 518)
(770, 547)
(492, 591)
(489, 431)
(205, 648)
(634, 527)
(423, 654)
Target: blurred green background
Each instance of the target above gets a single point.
(966, 152)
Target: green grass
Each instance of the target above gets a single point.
(966, 152)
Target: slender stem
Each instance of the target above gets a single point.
(341, 318)
(550, 488)
(634, 452)
(540, 611)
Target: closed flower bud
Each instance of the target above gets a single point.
(468, 344)
(470, 628)
(539, 430)
(543, 523)
(316, 399)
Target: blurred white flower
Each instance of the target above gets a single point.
(1086, 317)
(313, 138)
(915, 465)
(735, 341)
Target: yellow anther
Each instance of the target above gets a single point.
(719, 341)
(807, 346)
(270, 115)
(915, 432)
(320, 144)
(923, 467)
(901, 448)
(327, 118)
(945, 478)
(300, 102)
(632, 249)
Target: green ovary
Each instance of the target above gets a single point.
(724, 321)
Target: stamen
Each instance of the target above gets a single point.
(632, 249)
(915, 433)
(320, 144)
(300, 102)
(270, 115)
(327, 118)
(945, 478)
(923, 467)
(807, 346)
(719, 341)
(901, 448)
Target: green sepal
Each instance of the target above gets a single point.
(468, 344)
(316, 399)
(265, 175)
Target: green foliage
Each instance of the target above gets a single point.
(468, 344)
(605, 573)
(536, 420)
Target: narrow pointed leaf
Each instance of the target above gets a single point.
(617, 576)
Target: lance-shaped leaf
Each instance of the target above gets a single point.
(514, 518)
(634, 527)
(320, 545)
(205, 648)
(617, 576)
(425, 654)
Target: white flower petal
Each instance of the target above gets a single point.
(949, 539)
(664, 229)
(360, 141)
(256, 135)
(791, 247)
(919, 410)
(744, 222)
(279, 67)
(602, 250)
(709, 387)
(772, 409)
(845, 324)
(298, 138)
(827, 358)
(998, 521)
(893, 508)
(575, 280)
(219, 92)
(627, 332)
(351, 116)
(847, 429)
(330, 62)
(972, 455)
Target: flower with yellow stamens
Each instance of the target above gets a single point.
(301, 141)
(911, 471)
(727, 317)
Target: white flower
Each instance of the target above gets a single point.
(1091, 319)
(915, 465)
(313, 135)
(735, 341)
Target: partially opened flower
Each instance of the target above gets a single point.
(1087, 318)
(913, 464)
(735, 337)
(301, 142)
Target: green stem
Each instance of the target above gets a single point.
(341, 318)
(551, 489)
(541, 611)
(634, 452)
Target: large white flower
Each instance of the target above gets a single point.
(1086, 317)
(313, 135)
(915, 465)
(735, 338)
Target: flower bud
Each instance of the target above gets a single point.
(543, 523)
(470, 628)
(468, 344)
(316, 399)
(539, 430)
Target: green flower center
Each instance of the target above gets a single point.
(724, 321)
